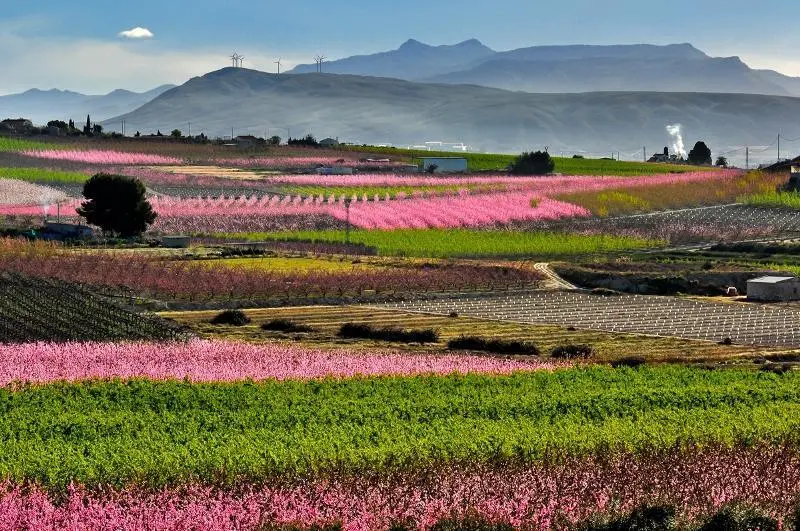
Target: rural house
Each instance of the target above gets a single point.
(773, 289)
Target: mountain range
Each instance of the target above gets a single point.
(574, 68)
(41, 106)
(372, 109)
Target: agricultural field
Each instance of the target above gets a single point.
(392, 349)
(324, 322)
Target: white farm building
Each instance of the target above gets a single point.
(774, 289)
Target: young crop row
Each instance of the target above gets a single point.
(154, 434)
(37, 309)
(194, 280)
(39, 175)
(696, 482)
(642, 196)
(773, 199)
(452, 243)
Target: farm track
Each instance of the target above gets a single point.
(658, 316)
(552, 278)
(326, 321)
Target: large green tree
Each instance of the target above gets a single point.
(535, 163)
(117, 204)
(700, 155)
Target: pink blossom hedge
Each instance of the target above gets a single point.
(211, 361)
(537, 497)
(102, 157)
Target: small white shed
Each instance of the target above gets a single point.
(444, 164)
(774, 289)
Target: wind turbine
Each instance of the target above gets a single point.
(241, 61)
(278, 62)
(319, 59)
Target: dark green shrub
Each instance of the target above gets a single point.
(572, 352)
(231, 317)
(630, 361)
(396, 335)
(739, 518)
(495, 346)
(657, 518)
(285, 325)
(535, 163)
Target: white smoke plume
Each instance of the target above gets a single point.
(677, 139)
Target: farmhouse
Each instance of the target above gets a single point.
(18, 126)
(66, 231)
(774, 289)
(329, 142)
(444, 164)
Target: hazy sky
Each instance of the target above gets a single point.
(95, 46)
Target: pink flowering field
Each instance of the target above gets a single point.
(534, 497)
(212, 361)
(102, 157)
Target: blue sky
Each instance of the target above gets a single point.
(76, 44)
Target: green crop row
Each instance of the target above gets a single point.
(166, 433)
(773, 199)
(454, 243)
(38, 175)
(381, 191)
(15, 144)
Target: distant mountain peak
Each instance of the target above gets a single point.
(411, 44)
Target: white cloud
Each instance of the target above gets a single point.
(137, 33)
(97, 67)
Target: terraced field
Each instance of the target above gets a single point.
(745, 324)
(326, 320)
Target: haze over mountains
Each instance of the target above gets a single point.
(41, 106)
(577, 68)
(372, 110)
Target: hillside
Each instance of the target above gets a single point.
(373, 110)
(41, 106)
(573, 68)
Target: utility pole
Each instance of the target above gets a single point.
(231, 134)
(190, 128)
(747, 158)
(779, 147)
(644, 153)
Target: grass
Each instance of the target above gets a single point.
(381, 191)
(641, 199)
(286, 264)
(567, 166)
(38, 175)
(117, 433)
(14, 144)
(326, 322)
(773, 199)
(464, 243)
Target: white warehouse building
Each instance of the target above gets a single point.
(774, 289)
(444, 164)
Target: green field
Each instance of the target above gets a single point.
(38, 175)
(454, 243)
(381, 191)
(14, 144)
(175, 432)
(569, 166)
(773, 199)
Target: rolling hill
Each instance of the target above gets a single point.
(371, 110)
(41, 106)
